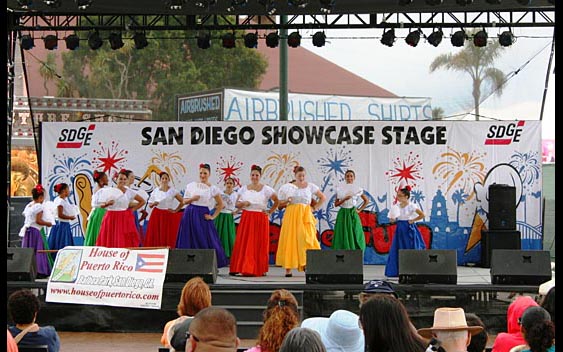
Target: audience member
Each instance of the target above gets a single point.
(23, 307)
(478, 341)
(281, 315)
(451, 329)
(339, 333)
(302, 339)
(387, 326)
(376, 287)
(12, 346)
(548, 303)
(538, 330)
(213, 329)
(513, 337)
(196, 295)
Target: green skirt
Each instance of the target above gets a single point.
(225, 225)
(93, 227)
(348, 230)
(46, 246)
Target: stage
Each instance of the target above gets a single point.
(246, 297)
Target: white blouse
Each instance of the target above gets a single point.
(303, 195)
(166, 200)
(258, 199)
(122, 202)
(68, 209)
(229, 201)
(30, 215)
(344, 190)
(97, 200)
(206, 193)
(406, 213)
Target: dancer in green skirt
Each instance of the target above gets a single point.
(348, 231)
(225, 222)
(98, 208)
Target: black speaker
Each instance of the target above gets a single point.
(335, 267)
(520, 267)
(498, 239)
(502, 207)
(183, 264)
(17, 205)
(438, 266)
(21, 264)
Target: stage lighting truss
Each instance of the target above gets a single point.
(236, 4)
(525, 2)
(251, 40)
(25, 4)
(480, 38)
(294, 39)
(298, 3)
(327, 6)
(175, 5)
(269, 5)
(405, 2)
(53, 3)
(434, 2)
(413, 38)
(435, 38)
(51, 42)
(140, 40)
(506, 38)
(228, 40)
(204, 40)
(319, 39)
(388, 37)
(72, 42)
(458, 38)
(83, 4)
(464, 2)
(27, 42)
(94, 40)
(272, 40)
(205, 3)
(115, 41)
(494, 2)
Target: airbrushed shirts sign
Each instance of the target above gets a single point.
(448, 164)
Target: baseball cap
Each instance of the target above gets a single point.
(379, 286)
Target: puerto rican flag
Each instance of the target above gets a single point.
(150, 263)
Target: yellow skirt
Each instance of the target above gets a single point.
(297, 235)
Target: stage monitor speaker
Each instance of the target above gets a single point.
(499, 239)
(502, 207)
(183, 264)
(17, 205)
(520, 267)
(335, 267)
(438, 266)
(21, 264)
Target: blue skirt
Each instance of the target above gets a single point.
(407, 236)
(195, 232)
(60, 236)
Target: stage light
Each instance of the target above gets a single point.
(388, 37)
(298, 3)
(27, 42)
(524, 2)
(25, 4)
(458, 38)
(435, 38)
(272, 40)
(506, 38)
(269, 5)
(294, 39)
(72, 42)
(413, 38)
(319, 39)
(83, 4)
(229, 40)
(115, 41)
(464, 2)
(405, 2)
(494, 2)
(204, 41)
(94, 40)
(327, 5)
(175, 4)
(205, 3)
(251, 40)
(51, 42)
(236, 4)
(434, 2)
(140, 40)
(53, 3)
(480, 39)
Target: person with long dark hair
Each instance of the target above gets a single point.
(538, 331)
(98, 208)
(225, 221)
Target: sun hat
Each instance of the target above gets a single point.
(379, 286)
(449, 319)
(340, 332)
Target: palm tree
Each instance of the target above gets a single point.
(478, 63)
(459, 197)
(47, 70)
(437, 113)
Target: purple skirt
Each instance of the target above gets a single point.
(33, 239)
(195, 232)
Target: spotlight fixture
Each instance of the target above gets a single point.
(204, 41)
(83, 4)
(434, 2)
(435, 38)
(94, 40)
(229, 40)
(405, 2)
(236, 4)
(25, 4)
(493, 2)
(27, 42)
(140, 40)
(205, 3)
(413, 38)
(458, 38)
(251, 40)
(294, 39)
(464, 2)
(298, 3)
(388, 37)
(175, 4)
(51, 42)
(524, 2)
(53, 3)
(272, 40)
(72, 42)
(480, 39)
(115, 41)
(269, 5)
(327, 5)
(506, 38)
(319, 39)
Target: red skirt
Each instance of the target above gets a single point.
(118, 230)
(162, 229)
(252, 243)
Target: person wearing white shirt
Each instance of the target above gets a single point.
(98, 208)
(61, 235)
(225, 221)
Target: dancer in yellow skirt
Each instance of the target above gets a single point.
(298, 232)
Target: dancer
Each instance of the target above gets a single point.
(143, 213)
(224, 222)
(118, 228)
(98, 209)
(348, 230)
(166, 203)
(407, 235)
(252, 243)
(298, 232)
(60, 235)
(197, 229)
(33, 222)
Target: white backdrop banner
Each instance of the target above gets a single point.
(449, 165)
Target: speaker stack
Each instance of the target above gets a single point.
(184, 264)
(517, 267)
(335, 267)
(436, 266)
(502, 233)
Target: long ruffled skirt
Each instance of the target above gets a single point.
(60, 236)
(93, 227)
(118, 230)
(252, 245)
(407, 236)
(348, 230)
(225, 225)
(162, 229)
(34, 239)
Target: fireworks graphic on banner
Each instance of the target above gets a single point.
(460, 170)
(109, 158)
(279, 168)
(334, 166)
(229, 168)
(405, 171)
(171, 163)
(528, 166)
(66, 169)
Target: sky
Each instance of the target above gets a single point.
(403, 70)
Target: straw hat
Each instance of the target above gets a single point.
(449, 319)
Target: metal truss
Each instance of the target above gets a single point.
(524, 18)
